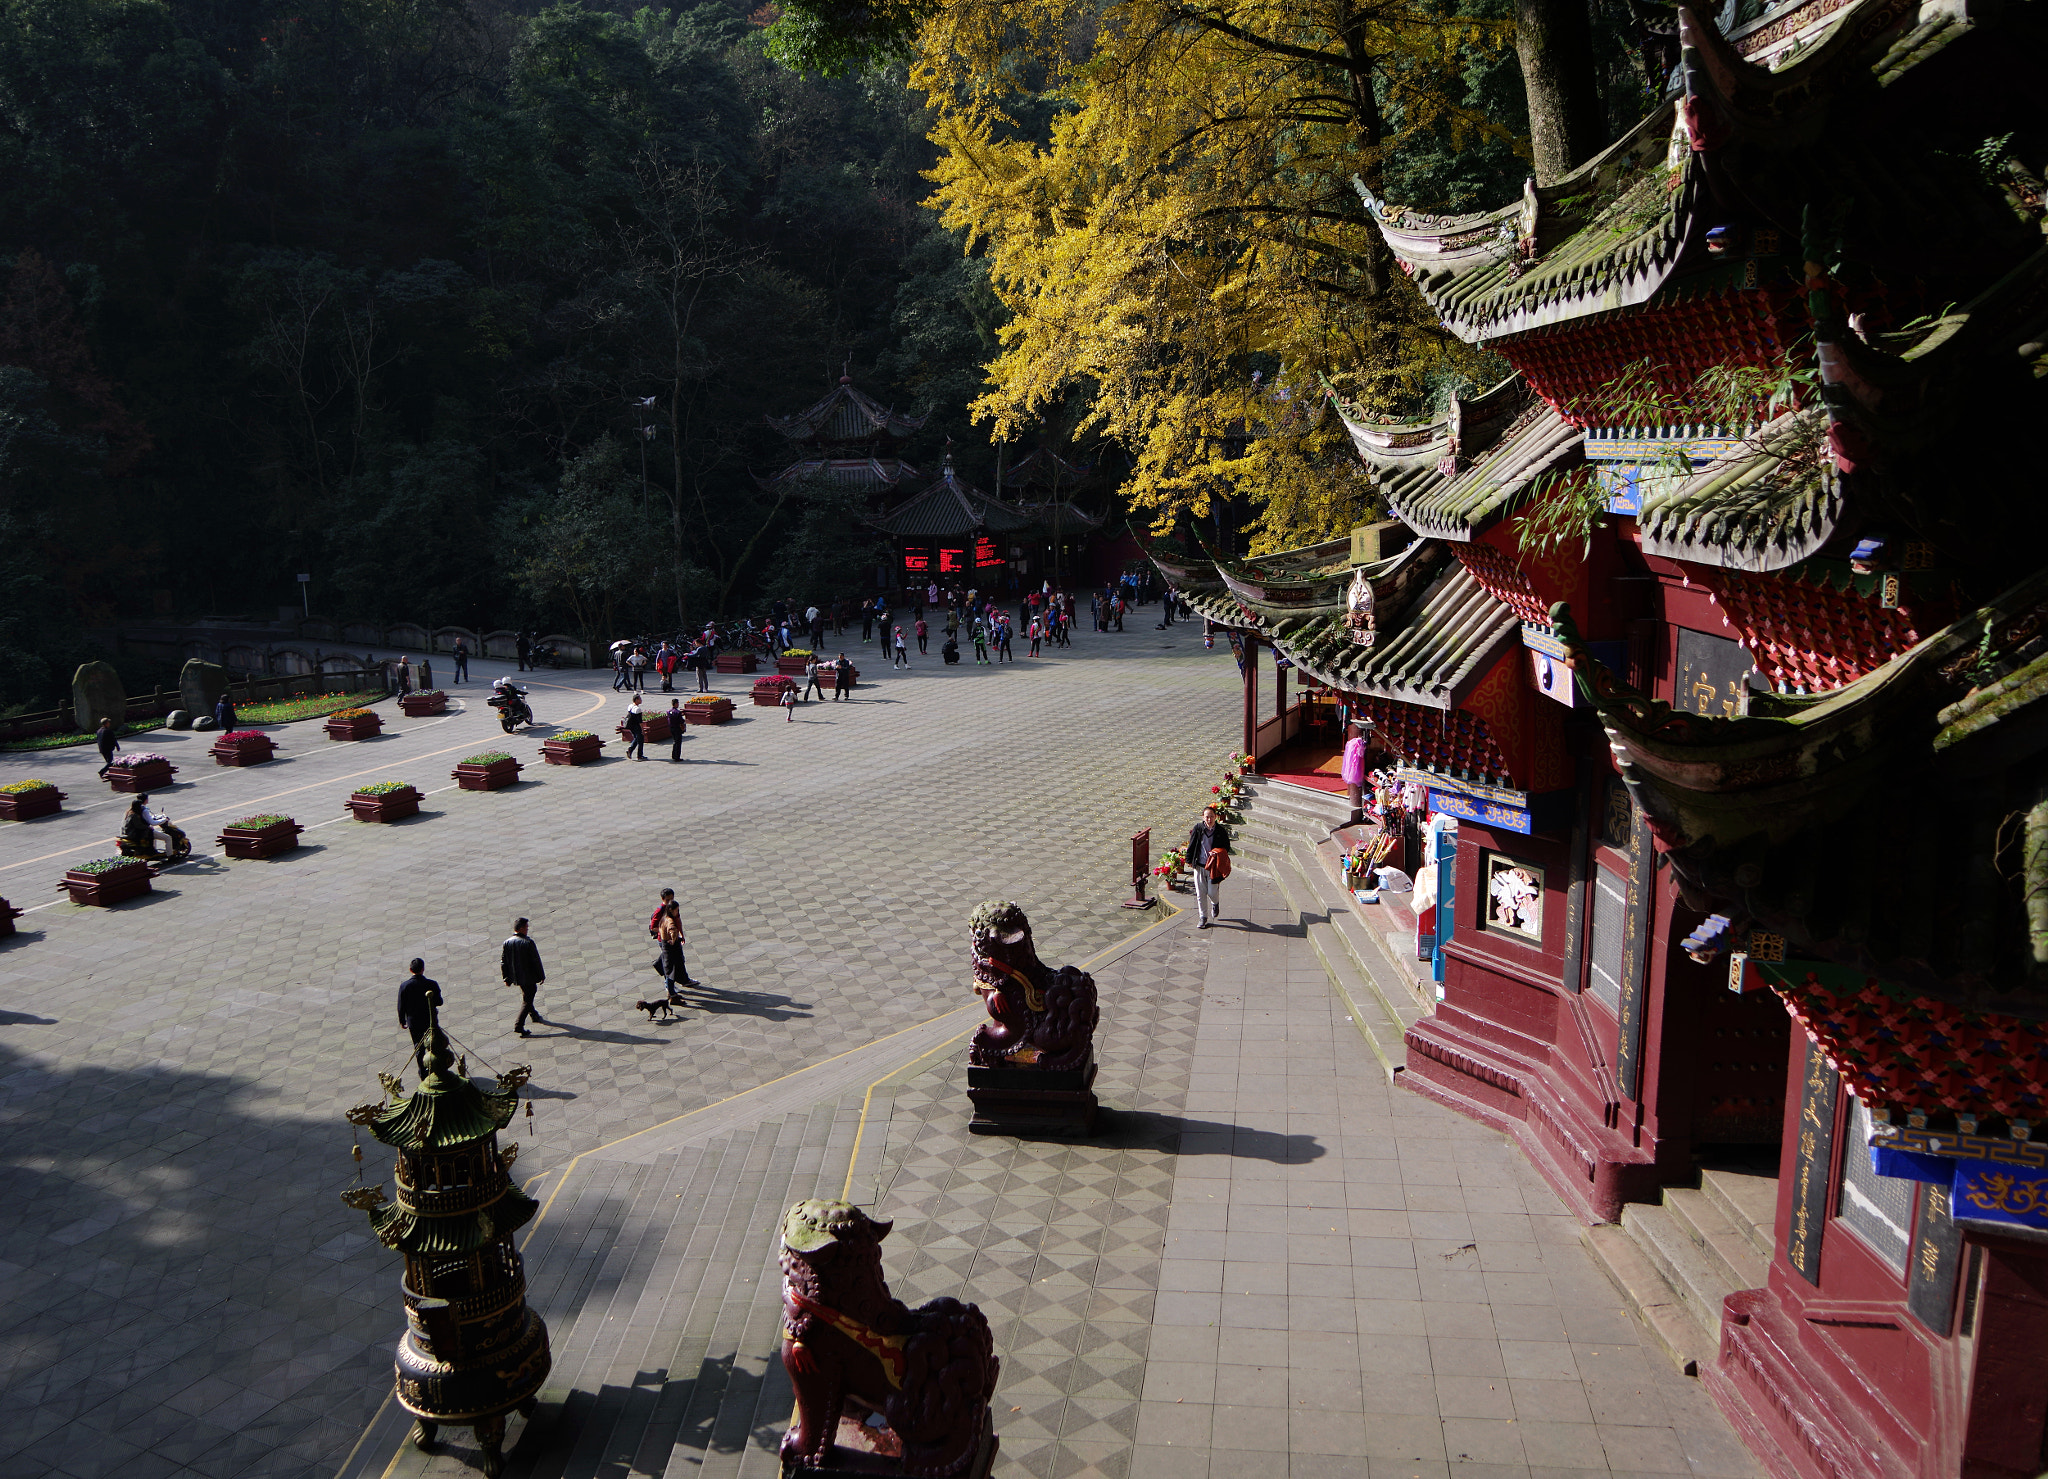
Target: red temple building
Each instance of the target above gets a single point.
(1741, 928)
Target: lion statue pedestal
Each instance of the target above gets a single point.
(1031, 1067)
(880, 1388)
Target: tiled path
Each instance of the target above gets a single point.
(1268, 1264)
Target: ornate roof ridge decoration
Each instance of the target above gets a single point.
(846, 414)
(951, 506)
(1606, 236)
(1729, 98)
(1281, 594)
(1432, 655)
(1461, 500)
(1467, 427)
(1769, 504)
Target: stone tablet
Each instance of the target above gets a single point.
(200, 685)
(96, 693)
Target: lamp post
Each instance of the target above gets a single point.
(305, 599)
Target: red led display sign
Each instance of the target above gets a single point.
(951, 561)
(985, 553)
(917, 557)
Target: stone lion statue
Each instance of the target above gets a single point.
(856, 1355)
(1038, 1017)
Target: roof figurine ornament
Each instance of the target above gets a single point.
(472, 1351)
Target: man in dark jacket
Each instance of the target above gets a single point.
(415, 994)
(522, 968)
(1207, 836)
(224, 713)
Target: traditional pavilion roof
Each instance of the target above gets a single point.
(1192, 574)
(1044, 468)
(1434, 655)
(951, 507)
(1767, 816)
(1469, 425)
(1314, 581)
(846, 415)
(1770, 503)
(446, 1111)
(870, 474)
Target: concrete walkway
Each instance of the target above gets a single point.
(1269, 1263)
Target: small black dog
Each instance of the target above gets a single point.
(651, 1007)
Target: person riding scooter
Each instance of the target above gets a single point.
(138, 834)
(509, 699)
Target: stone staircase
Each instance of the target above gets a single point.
(1286, 835)
(1677, 1259)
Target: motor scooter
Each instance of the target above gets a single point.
(176, 849)
(510, 702)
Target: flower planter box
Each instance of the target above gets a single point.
(363, 726)
(791, 667)
(572, 752)
(418, 705)
(253, 751)
(385, 806)
(735, 662)
(260, 842)
(26, 806)
(768, 691)
(151, 777)
(707, 711)
(828, 673)
(654, 727)
(492, 777)
(129, 881)
(8, 914)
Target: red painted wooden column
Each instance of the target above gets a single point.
(2009, 1386)
(1251, 696)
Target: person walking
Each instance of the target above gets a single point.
(1033, 633)
(667, 929)
(519, 963)
(788, 702)
(842, 680)
(980, 643)
(523, 650)
(415, 994)
(811, 683)
(108, 741)
(638, 661)
(636, 730)
(923, 631)
(461, 660)
(1003, 652)
(902, 657)
(404, 676)
(676, 725)
(706, 659)
(224, 713)
(1208, 836)
(867, 621)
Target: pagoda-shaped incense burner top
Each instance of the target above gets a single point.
(472, 1350)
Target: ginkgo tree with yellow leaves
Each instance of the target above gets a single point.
(1166, 196)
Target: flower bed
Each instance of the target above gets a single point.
(418, 705)
(571, 747)
(303, 706)
(105, 881)
(768, 691)
(24, 801)
(146, 772)
(243, 747)
(653, 725)
(735, 662)
(793, 666)
(353, 724)
(707, 709)
(489, 770)
(384, 801)
(262, 836)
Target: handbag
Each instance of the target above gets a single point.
(1217, 865)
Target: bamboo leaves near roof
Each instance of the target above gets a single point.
(1767, 506)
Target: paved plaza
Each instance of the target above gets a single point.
(1270, 1259)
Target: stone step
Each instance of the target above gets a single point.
(1729, 1250)
(1671, 1329)
(1368, 1012)
(1749, 1202)
(1695, 1277)
(1318, 807)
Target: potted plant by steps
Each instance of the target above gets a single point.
(707, 708)
(1244, 763)
(24, 801)
(8, 914)
(353, 724)
(243, 747)
(384, 801)
(141, 772)
(793, 662)
(653, 726)
(106, 881)
(768, 691)
(1173, 870)
(487, 770)
(571, 747)
(735, 662)
(419, 705)
(264, 835)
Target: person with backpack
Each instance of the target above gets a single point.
(666, 926)
(1209, 861)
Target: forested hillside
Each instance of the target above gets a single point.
(373, 289)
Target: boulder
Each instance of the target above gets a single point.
(200, 685)
(96, 693)
(177, 719)
(204, 721)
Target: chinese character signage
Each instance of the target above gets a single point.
(1813, 1166)
(1713, 676)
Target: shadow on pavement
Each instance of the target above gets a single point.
(1128, 1129)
